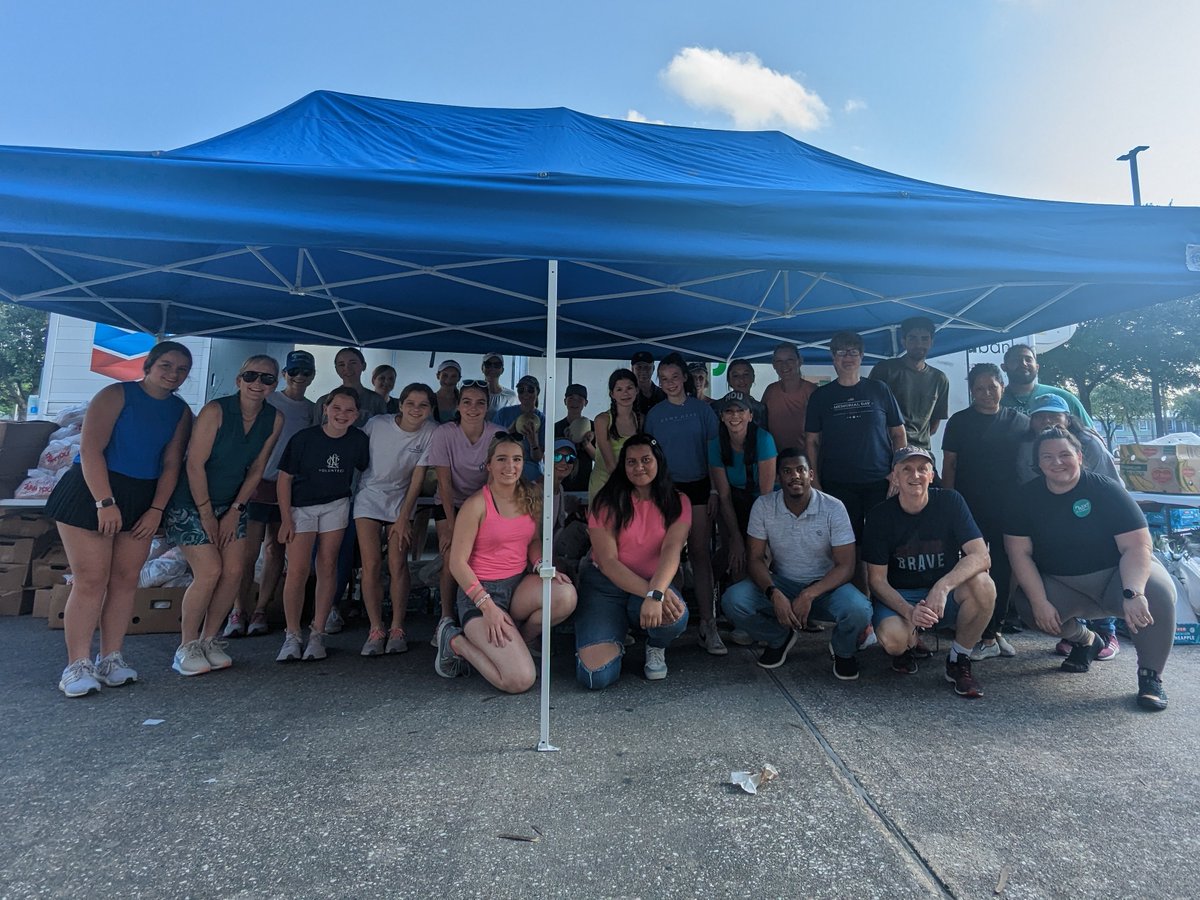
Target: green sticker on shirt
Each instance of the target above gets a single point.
(1081, 508)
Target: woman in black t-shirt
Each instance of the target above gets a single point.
(1079, 547)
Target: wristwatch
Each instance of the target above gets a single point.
(655, 595)
(1129, 595)
(240, 507)
(106, 503)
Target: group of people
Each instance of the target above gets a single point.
(815, 504)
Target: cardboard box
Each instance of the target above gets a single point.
(156, 611)
(58, 603)
(48, 571)
(1187, 633)
(28, 523)
(15, 551)
(42, 598)
(1160, 469)
(12, 576)
(21, 443)
(16, 603)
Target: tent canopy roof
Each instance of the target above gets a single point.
(344, 219)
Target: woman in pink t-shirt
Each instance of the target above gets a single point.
(494, 558)
(638, 526)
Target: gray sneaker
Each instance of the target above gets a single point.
(291, 647)
(315, 648)
(79, 679)
(214, 652)
(113, 671)
(374, 644)
(334, 621)
(710, 639)
(190, 659)
(433, 641)
(656, 663)
(447, 663)
(258, 624)
(397, 641)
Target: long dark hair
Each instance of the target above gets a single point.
(749, 450)
(676, 359)
(616, 497)
(458, 399)
(164, 347)
(620, 375)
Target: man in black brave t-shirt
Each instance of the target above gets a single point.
(927, 563)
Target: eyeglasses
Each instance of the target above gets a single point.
(565, 456)
(850, 353)
(474, 382)
(250, 376)
(296, 373)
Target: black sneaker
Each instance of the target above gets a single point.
(1150, 690)
(774, 657)
(846, 667)
(905, 663)
(958, 673)
(1080, 658)
(920, 650)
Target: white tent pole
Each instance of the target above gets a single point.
(547, 570)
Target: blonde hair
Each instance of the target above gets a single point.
(260, 357)
(528, 500)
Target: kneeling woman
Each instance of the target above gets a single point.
(497, 538)
(638, 526)
(1079, 547)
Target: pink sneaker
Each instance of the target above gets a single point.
(1111, 649)
(1063, 648)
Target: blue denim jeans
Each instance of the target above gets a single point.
(604, 616)
(750, 610)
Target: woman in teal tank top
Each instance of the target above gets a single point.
(227, 454)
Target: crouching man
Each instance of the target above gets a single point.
(812, 547)
(927, 564)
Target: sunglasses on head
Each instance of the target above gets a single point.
(564, 456)
(296, 373)
(250, 376)
(474, 382)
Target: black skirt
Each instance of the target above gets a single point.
(72, 503)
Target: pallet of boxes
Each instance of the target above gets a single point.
(1173, 470)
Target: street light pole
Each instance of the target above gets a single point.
(1133, 173)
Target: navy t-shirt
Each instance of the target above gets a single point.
(918, 549)
(322, 468)
(1073, 533)
(856, 446)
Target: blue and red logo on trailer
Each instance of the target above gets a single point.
(120, 354)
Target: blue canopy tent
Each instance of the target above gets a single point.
(351, 220)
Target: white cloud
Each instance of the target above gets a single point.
(634, 116)
(739, 85)
(854, 105)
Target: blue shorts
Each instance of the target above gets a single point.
(915, 596)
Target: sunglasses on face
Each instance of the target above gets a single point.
(250, 376)
(847, 354)
(565, 456)
(493, 364)
(297, 373)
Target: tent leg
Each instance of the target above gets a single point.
(547, 569)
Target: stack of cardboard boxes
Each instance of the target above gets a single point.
(31, 560)
(1161, 469)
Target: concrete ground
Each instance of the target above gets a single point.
(360, 777)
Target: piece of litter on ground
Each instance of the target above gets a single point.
(1002, 882)
(209, 781)
(750, 782)
(154, 721)
(525, 838)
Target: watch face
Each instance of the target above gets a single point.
(1129, 595)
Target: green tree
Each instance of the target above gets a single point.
(1186, 406)
(1118, 402)
(22, 350)
(1095, 353)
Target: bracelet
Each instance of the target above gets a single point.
(472, 587)
(533, 567)
(159, 508)
(482, 599)
(205, 503)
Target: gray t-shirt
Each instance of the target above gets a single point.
(297, 415)
(802, 546)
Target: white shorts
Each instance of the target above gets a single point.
(322, 518)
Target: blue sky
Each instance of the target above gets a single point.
(1028, 97)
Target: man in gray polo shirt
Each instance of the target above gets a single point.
(812, 549)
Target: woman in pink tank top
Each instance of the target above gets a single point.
(493, 559)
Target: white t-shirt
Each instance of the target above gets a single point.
(394, 454)
(297, 415)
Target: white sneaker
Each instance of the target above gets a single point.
(741, 638)
(214, 652)
(291, 648)
(79, 679)
(113, 671)
(656, 663)
(315, 648)
(985, 650)
(334, 621)
(190, 659)
(1007, 650)
(236, 626)
(258, 625)
(710, 639)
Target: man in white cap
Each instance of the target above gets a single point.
(498, 397)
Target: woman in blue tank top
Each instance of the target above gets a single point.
(110, 504)
(226, 457)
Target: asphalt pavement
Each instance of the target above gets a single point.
(373, 777)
